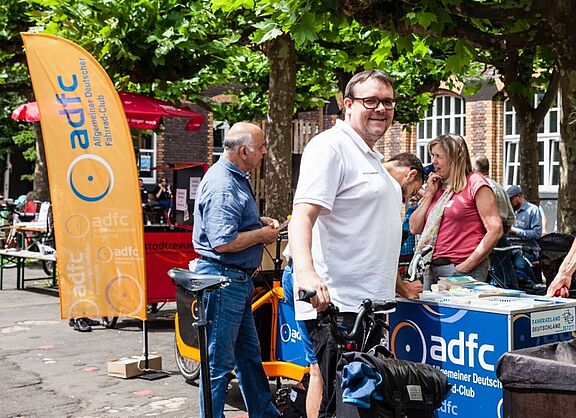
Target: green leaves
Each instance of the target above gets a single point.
(305, 30)
(267, 30)
(425, 19)
(463, 56)
(228, 6)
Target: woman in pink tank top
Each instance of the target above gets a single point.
(457, 215)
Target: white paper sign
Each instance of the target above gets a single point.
(181, 199)
(552, 322)
(194, 182)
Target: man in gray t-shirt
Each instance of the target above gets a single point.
(482, 166)
(500, 261)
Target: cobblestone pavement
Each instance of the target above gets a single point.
(49, 370)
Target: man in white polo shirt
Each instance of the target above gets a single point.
(346, 229)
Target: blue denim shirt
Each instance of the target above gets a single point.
(529, 221)
(410, 241)
(224, 207)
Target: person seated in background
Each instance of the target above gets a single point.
(143, 192)
(526, 231)
(163, 194)
(146, 207)
(29, 208)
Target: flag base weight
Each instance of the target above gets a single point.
(154, 375)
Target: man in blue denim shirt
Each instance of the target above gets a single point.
(526, 231)
(230, 235)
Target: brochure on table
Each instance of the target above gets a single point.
(465, 330)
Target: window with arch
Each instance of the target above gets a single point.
(447, 114)
(548, 146)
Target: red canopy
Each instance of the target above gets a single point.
(141, 112)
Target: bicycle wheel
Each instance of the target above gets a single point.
(109, 322)
(46, 246)
(189, 369)
(48, 267)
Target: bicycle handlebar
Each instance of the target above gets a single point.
(306, 294)
(367, 307)
(415, 265)
(508, 248)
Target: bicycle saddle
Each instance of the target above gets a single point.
(194, 282)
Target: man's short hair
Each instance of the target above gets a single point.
(406, 159)
(482, 164)
(364, 76)
(232, 143)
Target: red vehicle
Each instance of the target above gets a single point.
(165, 249)
(169, 245)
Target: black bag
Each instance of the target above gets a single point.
(407, 389)
(553, 250)
(556, 242)
(295, 403)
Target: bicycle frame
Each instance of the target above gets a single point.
(502, 270)
(273, 367)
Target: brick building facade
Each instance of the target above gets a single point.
(171, 146)
(486, 120)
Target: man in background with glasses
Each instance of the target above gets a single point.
(346, 228)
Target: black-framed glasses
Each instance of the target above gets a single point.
(373, 102)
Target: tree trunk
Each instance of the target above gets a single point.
(528, 156)
(282, 86)
(41, 188)
(566, 214)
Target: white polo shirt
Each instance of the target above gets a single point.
(356, 238)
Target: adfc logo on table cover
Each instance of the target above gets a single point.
(408, 342)
(462, 348)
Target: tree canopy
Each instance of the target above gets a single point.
(174, 50)
(521, 38)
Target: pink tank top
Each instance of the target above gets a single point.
(462, 229)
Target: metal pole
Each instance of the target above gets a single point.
(7, 170)
(145, 339)
(201, 324)
(278, 259)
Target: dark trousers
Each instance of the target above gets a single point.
(325, 333)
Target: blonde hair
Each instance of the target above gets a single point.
(457, 152)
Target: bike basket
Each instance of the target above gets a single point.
(187, 315)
